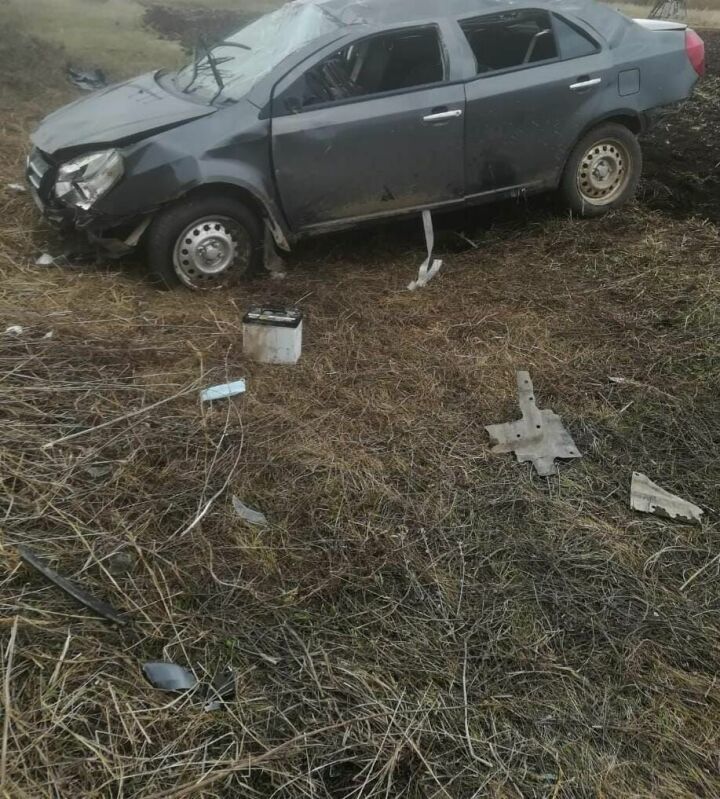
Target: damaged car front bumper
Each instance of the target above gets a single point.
(116, 235)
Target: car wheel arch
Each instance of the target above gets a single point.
(632, 120)
(254, 202)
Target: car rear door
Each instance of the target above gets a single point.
(369, 130)
(542, 80)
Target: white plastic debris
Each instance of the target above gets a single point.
(45, 260)
(538, 437)
(49, 334)
(13, 330)
(647, 497)
(224, 391)
(430, 266)
(248, 514)
(17, 187)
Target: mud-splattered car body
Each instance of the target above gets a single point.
(310, 152)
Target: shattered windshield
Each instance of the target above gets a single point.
(229, 69)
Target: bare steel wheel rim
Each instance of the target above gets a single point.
(211, 252)
(604, 172)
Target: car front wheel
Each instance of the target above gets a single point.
(603, 171)
(204, 243)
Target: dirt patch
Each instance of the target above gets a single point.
(682, 161)
(188, 25)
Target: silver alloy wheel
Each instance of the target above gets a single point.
(604, 172)
(211, 251)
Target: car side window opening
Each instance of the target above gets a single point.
(377, 65)
(511, 39)
(573, 42)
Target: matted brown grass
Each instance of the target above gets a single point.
(421, 618)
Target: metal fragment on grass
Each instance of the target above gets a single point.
(248, 514)
(97, 470)
(539, 436)
(18, 188)
(101, 608)
(221, 690)
(13, 330)
(170, 677)
(430, 266)
(224, 391)
(648, 497)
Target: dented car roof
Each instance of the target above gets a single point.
(388, 12)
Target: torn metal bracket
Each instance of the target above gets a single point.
(539, 437)
(648, 497)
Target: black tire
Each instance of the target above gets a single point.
(577, 186)
(235, 223)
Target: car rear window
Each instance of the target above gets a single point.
(572, 42)
(511, 39)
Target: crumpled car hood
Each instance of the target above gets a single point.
(125, 112)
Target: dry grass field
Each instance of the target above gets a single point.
(420, 618)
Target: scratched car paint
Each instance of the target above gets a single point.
(329, 114)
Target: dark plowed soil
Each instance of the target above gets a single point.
(189, 25)
(682, 169)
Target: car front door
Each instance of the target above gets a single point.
(541, 80)
(369, 130)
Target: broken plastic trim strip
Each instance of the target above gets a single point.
(430, 266)
(101, 608)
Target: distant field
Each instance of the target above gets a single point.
(112, 32)
(707, 16)
(109, 33)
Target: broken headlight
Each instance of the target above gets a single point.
(83, 181)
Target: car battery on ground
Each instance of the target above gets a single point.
(273, 335)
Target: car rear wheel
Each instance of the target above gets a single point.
(603, 171)
(204, 243)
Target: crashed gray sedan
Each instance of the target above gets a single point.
(329, 114)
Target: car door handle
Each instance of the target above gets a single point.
(585, 83)
(443, 116)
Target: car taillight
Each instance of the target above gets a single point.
(695, 48)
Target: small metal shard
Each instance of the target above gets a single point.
(647, 497)
(169, 677)
(121, 562)
(538, 437)
(101, 608)
(98, 470)
(251, 516)
(220, 690)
